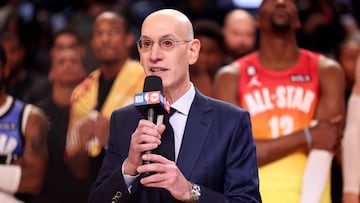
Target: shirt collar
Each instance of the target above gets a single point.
(183, 104)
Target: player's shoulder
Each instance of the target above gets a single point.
(35, 112)
(231, 68)
(234, 67)
(327, 62)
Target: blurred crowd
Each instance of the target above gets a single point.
(35, 22)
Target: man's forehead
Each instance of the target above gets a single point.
(167, 21)
(166, 27)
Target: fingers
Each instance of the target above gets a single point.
(337, 119)
(147, 127)
(156, 158)
(165, 175)
(146, 137)
(331, 121)
(154, 179)
(158, 164)
(161, 172)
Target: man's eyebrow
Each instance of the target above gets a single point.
(162, 37)
(167, 36)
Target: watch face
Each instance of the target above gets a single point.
(195, 191)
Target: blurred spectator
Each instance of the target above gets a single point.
(239, 32)
(200, 9)
(23, 149)
(82, 21)
(15, 24)
(67, 39)
(351, 26)
(351, 143)
(321, 28)
(22, 82)
(109, 87)
(356, 9)
(347, 55)
(60, 185)
(210, 56)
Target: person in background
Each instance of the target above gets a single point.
(350, 25)
(212, 156)
(210, 56)
(65, 74)
(321, 29)
(351, 143)
(346, 55)
(66, 39)
(82, 21)
(239, 32)
(22, 82)
(296, 107)
(109, 87)
(23, 149)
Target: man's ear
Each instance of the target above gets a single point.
(194, 51)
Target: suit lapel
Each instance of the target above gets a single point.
(198, 125)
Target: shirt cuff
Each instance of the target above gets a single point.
(129, 179)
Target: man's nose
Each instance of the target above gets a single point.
(155, 52)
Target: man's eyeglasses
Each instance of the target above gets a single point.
(164, 44)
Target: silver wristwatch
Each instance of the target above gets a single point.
(195, 192)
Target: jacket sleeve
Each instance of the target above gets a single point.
(110, 185)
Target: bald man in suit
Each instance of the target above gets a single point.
(214, 151)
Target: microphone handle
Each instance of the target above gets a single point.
(151, 117)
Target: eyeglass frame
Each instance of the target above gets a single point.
(159, 42)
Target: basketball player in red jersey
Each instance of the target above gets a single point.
(285, 88)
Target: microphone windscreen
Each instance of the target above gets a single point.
(153, 83)
(152, 97)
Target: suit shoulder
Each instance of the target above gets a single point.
(226, 107)
(128, 109)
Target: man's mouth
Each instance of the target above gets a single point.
(155, 70)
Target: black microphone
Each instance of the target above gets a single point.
(152, 103)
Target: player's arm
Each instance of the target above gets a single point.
(33, 162)
(92, 132)
(78, 160)
(76, 155)
(319, 160)
(226, 84)
(351, 144)
(332, 89)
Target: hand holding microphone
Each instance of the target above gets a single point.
(153, 106)
(152, 103)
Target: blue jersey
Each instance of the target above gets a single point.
(11, 137)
